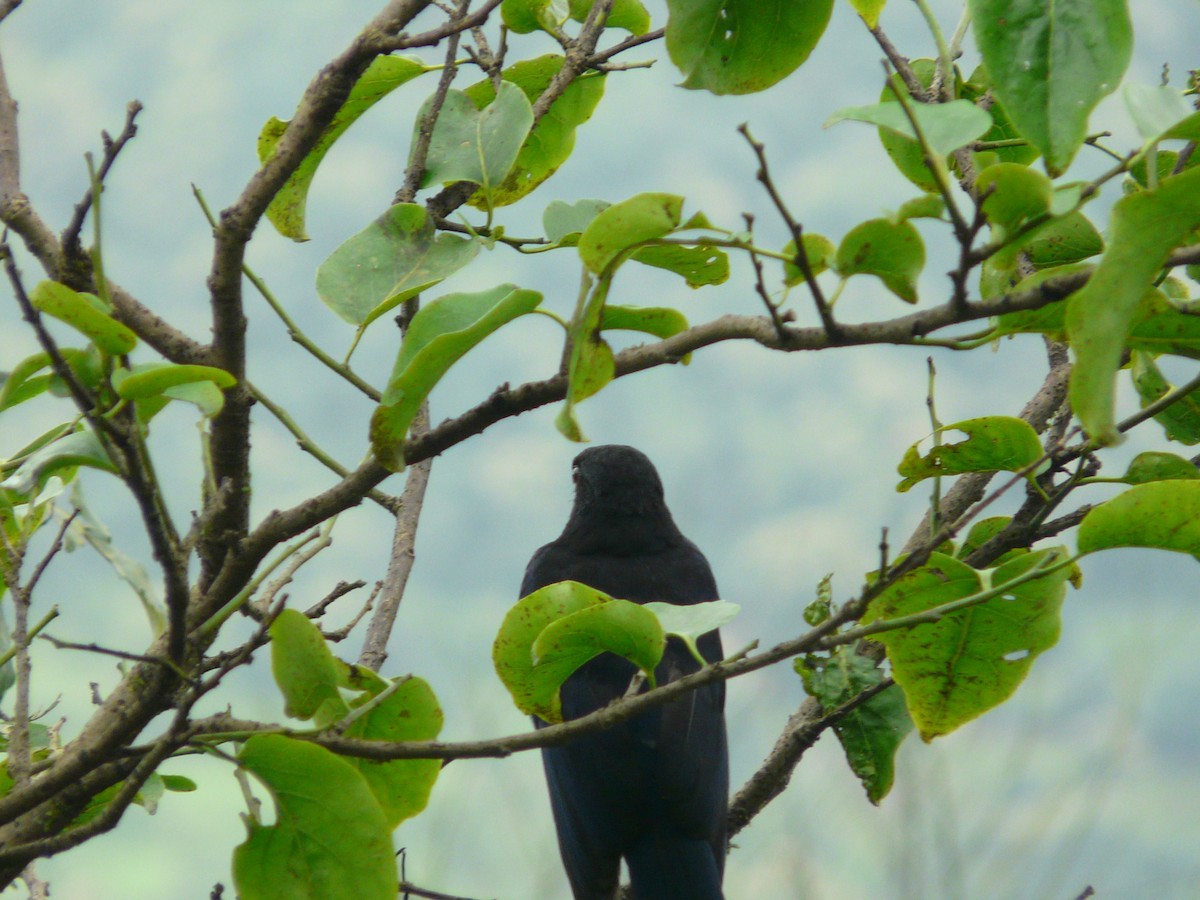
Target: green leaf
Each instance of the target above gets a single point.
(1013, 194)
(560, 220)
(871, 733)
(1159, 326)
(927, 206)
(689, 622)
(892, 251)
(1161, 112)
(1157, 466)
(534, 689)
(656, 320)
(204, 395)
(20, 384)
(86, 314)
(1162, 514)
(977, 87)
(1164, 163)
(945, 126)
(473, 144)
(983, 531)
(1062, 241)
(966, 663)
(527, 16)
(614, 626)
(79, 448)
(1051, 63)
(305, 670)
(627, 224)
(394, 258)
(441, 332)
(409, 712)
(590, 364)
(905, 153)
(993, 444)
(821, 608)
(699, 266)
(330, 837)
(820, 252)
(552, 139)
(385, 74)
(869, 10)
(89, 366)
(742, 46)
(627, 14)
(1049, 319)
(178, 784)
(1180, 420)
(151, 379)
(1144, 228)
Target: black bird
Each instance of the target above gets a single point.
(652, 790)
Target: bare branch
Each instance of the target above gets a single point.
(374, 651)
(452, 29)
(801, 260)
(420, 149)
(112, 149)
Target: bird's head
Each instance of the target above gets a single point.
(617, 480)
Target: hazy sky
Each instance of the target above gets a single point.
(781, 468)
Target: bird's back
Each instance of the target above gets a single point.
(653, 789)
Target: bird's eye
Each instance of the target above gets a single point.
(575, 473)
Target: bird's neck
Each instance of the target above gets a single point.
(617, 534)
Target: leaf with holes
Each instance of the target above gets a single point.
(742, 46)
(871, 733)
(993, 444)
(957, 668)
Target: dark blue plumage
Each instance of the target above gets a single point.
(652, 790)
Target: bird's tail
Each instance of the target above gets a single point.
(662, 867)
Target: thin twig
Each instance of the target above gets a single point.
(420, 150)
(832, 329)
(112, 149)
(760, 284)
(7, 6)
(119, 654)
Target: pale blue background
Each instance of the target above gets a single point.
(782, 468)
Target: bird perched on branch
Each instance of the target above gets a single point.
(652, 790)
